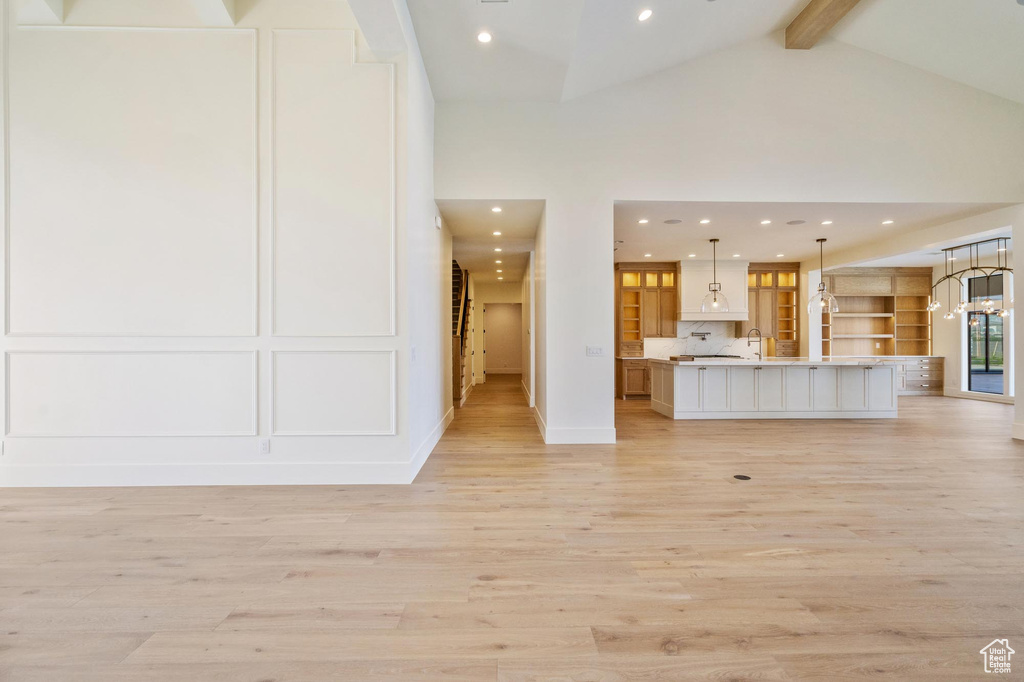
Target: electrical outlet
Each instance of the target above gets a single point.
(264, 446)
(878, 345)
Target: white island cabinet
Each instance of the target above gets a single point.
(773, 389)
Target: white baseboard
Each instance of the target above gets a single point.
(526, 392)
(161, 475)
(465, 395)
(419, 457)
(541, 424)
(132, 474)
(1018, 431)
(971, 395)
(505, 370)
(573, 436)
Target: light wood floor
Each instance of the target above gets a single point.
(859, 550)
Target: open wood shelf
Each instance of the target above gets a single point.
(864, 336)
(882, 312)
(862, 314)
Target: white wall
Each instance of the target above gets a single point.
(540, 324)
(219, 236)
(752, 123)
(527, 297)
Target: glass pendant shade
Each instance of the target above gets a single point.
(1003, 313)
(949, 316)
(714, 302)
(822, 301)
(960, 308)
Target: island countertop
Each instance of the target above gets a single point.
(786, 362)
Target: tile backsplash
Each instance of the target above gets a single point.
(722, 341)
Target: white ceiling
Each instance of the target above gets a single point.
(977, 42)
(554, 50)
(738, 226)
(473, 224)
(932, 255)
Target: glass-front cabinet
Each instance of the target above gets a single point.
(772, 297)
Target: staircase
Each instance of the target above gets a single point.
(460, 334)
(457, 281)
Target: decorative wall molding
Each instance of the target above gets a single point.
(255, 286)
(253, 430)
(393, 235)
(392, 381)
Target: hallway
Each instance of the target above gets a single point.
(888, 548)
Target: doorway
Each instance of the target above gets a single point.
(503, 338)
(985, 353)
(986, 346)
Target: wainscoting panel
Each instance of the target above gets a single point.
(333, 193)
(333, 393)
(133, 182)
(130, 394)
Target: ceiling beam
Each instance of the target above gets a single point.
(215, 12)
(815, 21)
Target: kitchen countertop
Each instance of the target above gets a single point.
(798, 362)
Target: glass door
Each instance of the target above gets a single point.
(985, 353)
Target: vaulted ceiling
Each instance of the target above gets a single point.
(555, 50)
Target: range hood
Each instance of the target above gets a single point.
(694, 278)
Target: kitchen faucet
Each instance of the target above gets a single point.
(760, 339)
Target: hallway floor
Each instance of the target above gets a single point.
(858, 550)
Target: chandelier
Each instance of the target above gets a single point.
(974, 269)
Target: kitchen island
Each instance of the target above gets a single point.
(774, 388)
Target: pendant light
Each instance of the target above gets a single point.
(822, 301)
(714, 301)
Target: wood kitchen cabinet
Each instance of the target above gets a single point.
(645, 305)
(633, 378)
(772, 302)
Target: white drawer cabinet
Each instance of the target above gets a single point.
(801, 391)
(771, 389)
(824, 389)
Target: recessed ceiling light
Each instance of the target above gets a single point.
(673, 221)
(501, 271)
(643, 221)
(496, 209)
(498, 262)
(735, 255)
(952, 258)
(496, 234)
(501, 278)
(692, 255)
(644, 15)
(780, 255)
(647, 255)
(796, 222)
(705, 221)
(484, 37)
(498, 250)
(887, 222)
(826, 222)
(766, 222)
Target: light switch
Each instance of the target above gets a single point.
(594, 351)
